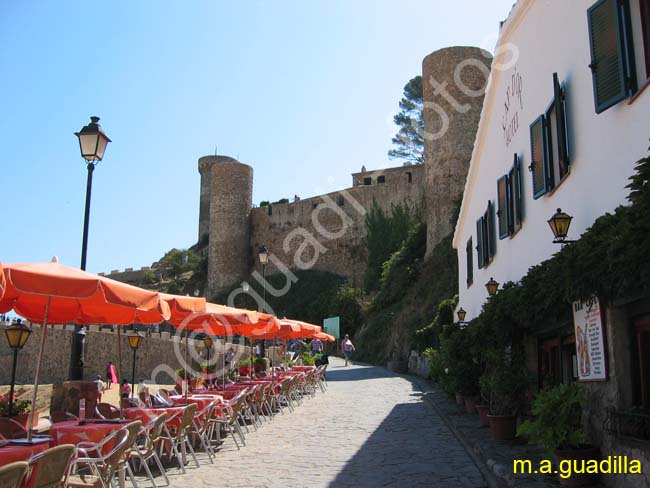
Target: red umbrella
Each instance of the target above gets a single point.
(3, 283)
(52, 293)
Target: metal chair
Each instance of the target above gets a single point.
(49, 469)
(179, 437)
(150, 436)
(13, 474)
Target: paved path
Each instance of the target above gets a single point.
(370, 429)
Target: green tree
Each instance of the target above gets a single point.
(386, 232)
(409, 140)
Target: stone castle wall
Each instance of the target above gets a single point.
(454, 81)
(327, 232)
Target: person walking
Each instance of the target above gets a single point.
(111, 375)
(230, 355)
(347, 347)
(316, 347)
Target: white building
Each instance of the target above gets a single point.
(565, 118)
(607, 131)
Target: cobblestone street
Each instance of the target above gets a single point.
(371, 428)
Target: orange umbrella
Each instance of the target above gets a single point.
(324, 337)
(61, 295)
(55, 294)
(2, 282)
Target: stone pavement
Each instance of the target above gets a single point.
(370, 429)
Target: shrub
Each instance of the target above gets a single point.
(19, 407)
(558, 418)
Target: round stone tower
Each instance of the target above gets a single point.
(227, 198)
(453, 85)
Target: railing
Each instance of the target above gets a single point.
(629, 424)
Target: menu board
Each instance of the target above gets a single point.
(590, 344)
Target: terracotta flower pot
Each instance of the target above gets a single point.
(503, 427)
(576, 456)
(483, 411)
(470, 404)
(459, 399)
(243, 371)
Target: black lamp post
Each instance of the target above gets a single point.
(135, 340)
(264, 260)
(92, 144)
(559, 224)
(17, 336)
(492, 287)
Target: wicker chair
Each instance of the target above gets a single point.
(49, 469)
(146, 450)
(12, 475)
(108, 411)
(179, 436)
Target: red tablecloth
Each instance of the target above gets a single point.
(202, 401)
(304, 369)
(146, 415)
(70, 432)
(11, 454)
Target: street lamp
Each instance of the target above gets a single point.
(559, 224)
(264, 260)
(92, 144)
(17, 336)
(135, 339)
(492, 287)
(461, 315)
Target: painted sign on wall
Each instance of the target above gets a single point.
(512, 104)
(590, 344)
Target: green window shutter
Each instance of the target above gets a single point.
(516, 192)
(560, 115)
(538, 156)
(491, 234)
(479, 243)
(503, 214)
(470, 264)
(607, 53)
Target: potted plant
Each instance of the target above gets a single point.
(21, 413)
(505, 380)
(557, 427)
(244, 367)
(307, 359)
(261, 364)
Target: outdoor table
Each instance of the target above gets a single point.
(76, 431)
(201, 401)
(303, 369)
(146, 415)
(10, 454)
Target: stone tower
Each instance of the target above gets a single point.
(224, 215)
(453, 81)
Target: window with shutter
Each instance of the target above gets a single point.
(503, 214)
(491, 232)
(469, 251)
(551, 146)
(561, 127)
(537, 156)
(516, 192)
(479, 243)
(645, 32)
(611, 52)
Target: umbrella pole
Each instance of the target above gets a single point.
(119, 370)
(223, 362)
(187, 386)
(38, 370)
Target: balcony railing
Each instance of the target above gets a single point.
(629, 424)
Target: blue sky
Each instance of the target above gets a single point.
(303, 91)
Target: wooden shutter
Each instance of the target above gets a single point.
(491, 234)
(561, 129)
(538, 156)
(479, 243)
(516, 192)
(645, 31)
(470, 264)
(503, 214)
(607, 54)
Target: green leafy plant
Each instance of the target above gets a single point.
(307, 359)
(20, 407)
(504, 381)
(558, 418)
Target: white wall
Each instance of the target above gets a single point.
(551, 36)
